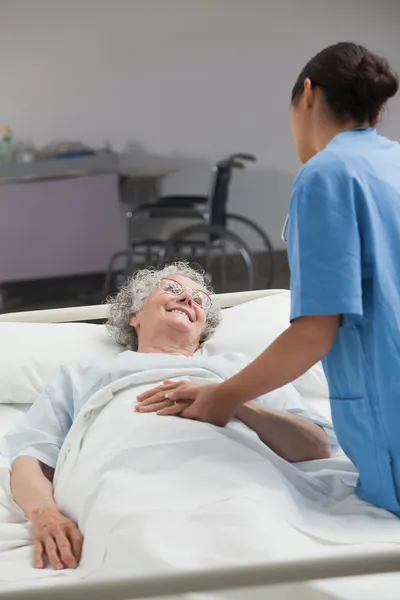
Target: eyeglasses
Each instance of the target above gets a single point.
(200, 298)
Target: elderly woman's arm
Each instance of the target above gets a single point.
(31, 485)
(32, 448)
(55, 536)
(293, 438)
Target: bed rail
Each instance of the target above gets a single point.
(276, 572)
(100, 312)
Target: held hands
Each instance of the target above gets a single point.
(162, 400)
(56, 538)
(188, 400)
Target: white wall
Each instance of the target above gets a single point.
(187, 80)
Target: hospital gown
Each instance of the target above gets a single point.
(43, 429)
(344, 254)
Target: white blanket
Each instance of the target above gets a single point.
(154, 495)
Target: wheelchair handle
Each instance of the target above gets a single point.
(235, 161)
(236, 164)
(243, 156)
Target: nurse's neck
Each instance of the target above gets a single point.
(327, 130)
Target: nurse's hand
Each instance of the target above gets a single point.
(57, 538)
(208, 404)
(158, 399)
(191, 401)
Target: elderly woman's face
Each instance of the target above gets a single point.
(180, 312)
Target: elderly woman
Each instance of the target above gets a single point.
(161, 317)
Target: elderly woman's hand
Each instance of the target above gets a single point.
(156, 399)
(56, 537)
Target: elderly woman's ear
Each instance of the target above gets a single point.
(134, 320)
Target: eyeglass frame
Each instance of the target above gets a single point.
(191, 290)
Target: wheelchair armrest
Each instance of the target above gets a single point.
(182, 201)
(158, 210)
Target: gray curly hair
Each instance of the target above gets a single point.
(135, 291)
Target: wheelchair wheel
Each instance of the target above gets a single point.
(221, 252)
(266, 271)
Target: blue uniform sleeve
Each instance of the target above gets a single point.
(288, 399)
(324, 244)
(42, 430)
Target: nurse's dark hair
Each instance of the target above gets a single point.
(355, 82)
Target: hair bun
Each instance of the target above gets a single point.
(379, 81)
(355, 82)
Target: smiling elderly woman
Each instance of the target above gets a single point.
(168, 311)
(160, 317)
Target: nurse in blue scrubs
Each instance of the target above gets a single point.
(343, 235)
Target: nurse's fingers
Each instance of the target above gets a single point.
(176, 409)
(164, 408)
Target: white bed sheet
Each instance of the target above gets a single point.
(333, 590)
(9, 416)
(322, 406)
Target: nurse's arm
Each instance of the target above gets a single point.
(306, 341)
(292, 437)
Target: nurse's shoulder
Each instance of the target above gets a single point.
(328, 168)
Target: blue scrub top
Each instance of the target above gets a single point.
(344, 255)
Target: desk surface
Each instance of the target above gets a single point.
(63, 168)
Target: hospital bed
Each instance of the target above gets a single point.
(261, 576)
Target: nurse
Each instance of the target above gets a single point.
(343, 237)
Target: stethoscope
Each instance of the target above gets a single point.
(285, 230)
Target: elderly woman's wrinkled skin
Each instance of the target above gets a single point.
(170, 324)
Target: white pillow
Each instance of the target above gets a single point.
(31, 353)
(251, 327)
